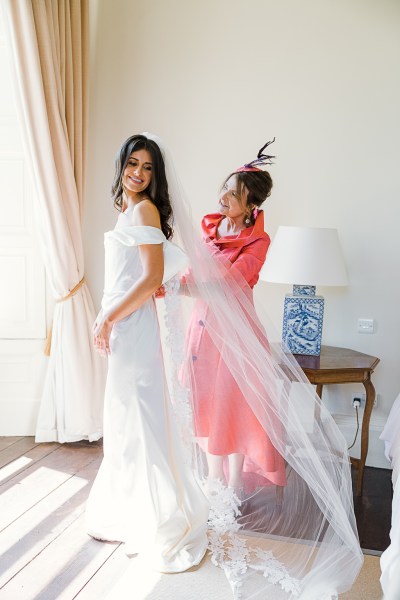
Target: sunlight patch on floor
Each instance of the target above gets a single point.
(14, 466)
(139, 578)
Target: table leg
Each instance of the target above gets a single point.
(317, 413)
(369, 403)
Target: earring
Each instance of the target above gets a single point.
(247, 220)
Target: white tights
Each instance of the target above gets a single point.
(216, 470)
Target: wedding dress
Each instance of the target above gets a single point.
(144, 493)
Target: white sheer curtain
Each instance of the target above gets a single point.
(49, 55)
(390, 559)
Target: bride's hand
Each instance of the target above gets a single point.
(101, 335)
(98, 319)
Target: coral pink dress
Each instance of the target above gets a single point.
(221, 413)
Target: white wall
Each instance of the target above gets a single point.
(216, 79)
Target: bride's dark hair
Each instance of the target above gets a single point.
(158, 188)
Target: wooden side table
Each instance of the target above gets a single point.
(341, 365)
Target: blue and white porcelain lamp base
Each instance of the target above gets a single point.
(302, 321)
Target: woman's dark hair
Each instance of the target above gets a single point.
(257, 183)
(158, 188)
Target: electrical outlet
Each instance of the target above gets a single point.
(366, 326)
(361, 397)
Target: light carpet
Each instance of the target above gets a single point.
(207, 582)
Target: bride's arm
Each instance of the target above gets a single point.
(152, 259)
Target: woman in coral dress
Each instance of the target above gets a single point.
(238, 449)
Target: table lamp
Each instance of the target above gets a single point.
(305, 257)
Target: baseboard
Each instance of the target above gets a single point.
(19, 418)
(348, 426)
(372, 552)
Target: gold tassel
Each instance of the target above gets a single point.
(47, 345)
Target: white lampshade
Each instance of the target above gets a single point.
(305, 256)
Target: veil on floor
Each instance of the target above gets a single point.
(289, 531)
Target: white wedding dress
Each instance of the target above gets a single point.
(144, 494)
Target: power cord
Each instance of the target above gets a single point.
(356, 404)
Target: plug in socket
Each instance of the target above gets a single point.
(360, 398)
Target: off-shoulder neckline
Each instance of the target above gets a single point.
(130, 227)
(140, 226)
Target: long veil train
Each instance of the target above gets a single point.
(295, 538)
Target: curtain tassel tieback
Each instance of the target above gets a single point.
(47, 346)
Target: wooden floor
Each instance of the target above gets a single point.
(373, 509)
(45, 553)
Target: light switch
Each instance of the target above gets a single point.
(366, 325)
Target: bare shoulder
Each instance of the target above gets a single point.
(146, 213)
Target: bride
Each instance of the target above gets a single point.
(143, 495)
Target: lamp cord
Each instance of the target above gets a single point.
(358, 428)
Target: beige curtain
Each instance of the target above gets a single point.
(49, 54)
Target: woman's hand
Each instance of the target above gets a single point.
(101, 336)
(160, 292)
